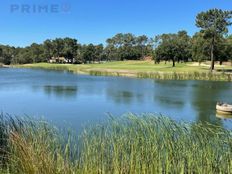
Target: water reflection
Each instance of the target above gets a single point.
(124, 97)
(166, 101)
(170, 93)
(58, 91)
(61, 91)
(204, 99)
(224, 116)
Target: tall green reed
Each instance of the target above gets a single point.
(129, 144)
(186, 76)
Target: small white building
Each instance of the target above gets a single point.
(59, 60)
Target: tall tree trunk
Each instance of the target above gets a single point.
(212, 55)
(142, 54)
(221, 61)
(173, 62)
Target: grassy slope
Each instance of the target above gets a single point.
(129, 68)
(137, 66)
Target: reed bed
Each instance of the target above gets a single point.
(103, 73)
(187, 76)
(168, 75)
(129, 144)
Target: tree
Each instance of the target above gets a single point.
(110, 52)
(88, 53)
(70, 48)
(142, 41)
(174, 47)
(228, 48)
(99, 52)
(1, 53)
(22, 57)
(166, 48)
(220, 52)
(200, 47)
(48, 49)
(213, 23)
(58, 47)
(183, 46)
(128, 47)
(7, 54)
(36, 53)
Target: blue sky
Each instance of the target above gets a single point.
(93, 21)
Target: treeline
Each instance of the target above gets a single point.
(119, 47)
(182, 47)
(210, 43)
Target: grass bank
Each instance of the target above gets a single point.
(129, 144)
(145, 69)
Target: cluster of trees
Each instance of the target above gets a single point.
(35, 53)
(128, 47)
(120, 47)
(210, 43)
(174, 47)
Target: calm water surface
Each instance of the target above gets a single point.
(68, 99)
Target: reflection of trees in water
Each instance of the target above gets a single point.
(170, 93)
(175, 83)
(61, 91)
(168, 101)
(202, 95)
(205, 95)
(124, 97)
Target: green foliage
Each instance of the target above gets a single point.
(200, 48)
(129, 144)
(128, 47)
(70, 48)
(59, 47)
(213, 24)
(90, 53)
(174, 47)
(7, 53)
(228, 48)
(36, 53)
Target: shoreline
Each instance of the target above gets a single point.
(164, 75)
(5, 66)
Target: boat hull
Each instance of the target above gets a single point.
(224, 109)
(223, 116)
(224, 112)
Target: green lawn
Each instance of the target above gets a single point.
(136, 68)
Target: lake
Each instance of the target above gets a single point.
(75, 100)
